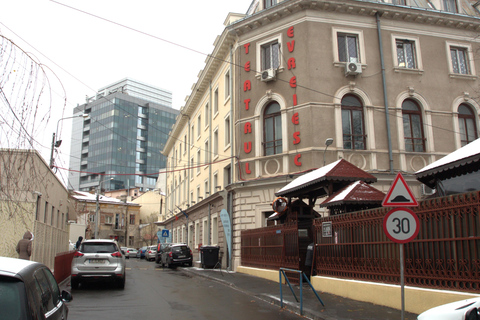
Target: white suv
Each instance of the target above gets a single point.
(98, 259)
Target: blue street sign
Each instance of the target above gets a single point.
(165, 233)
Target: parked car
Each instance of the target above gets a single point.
(98, 259)
(124, 250)
(141, 252)
(160, 248)
(28, 290)
(131, 253)
(459, 310)
(177, 255)
(150, 253)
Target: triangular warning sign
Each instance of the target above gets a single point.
(399, 194)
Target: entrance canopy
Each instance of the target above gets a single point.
(325, 181)
(460, 162)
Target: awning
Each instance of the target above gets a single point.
(462, 161)
(356, 193)
(334, 176)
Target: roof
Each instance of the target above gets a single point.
(340, 172)
(92, 197)
(14, 266)
(357, 192)
(459, 162)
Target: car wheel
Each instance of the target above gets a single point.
(121, 282)
(74, 283)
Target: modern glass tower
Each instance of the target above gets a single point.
(119, 144)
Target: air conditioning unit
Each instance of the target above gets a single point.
(353, 68)
(268, 75)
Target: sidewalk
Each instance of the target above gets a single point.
(336, 308)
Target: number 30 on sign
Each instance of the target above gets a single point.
(401, 225)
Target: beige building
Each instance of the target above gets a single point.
(388, 86)
(32, 198)
(117, 219)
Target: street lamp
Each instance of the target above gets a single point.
(97, 211)
(57, 143)
(328, 142)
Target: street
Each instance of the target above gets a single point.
(152, 292)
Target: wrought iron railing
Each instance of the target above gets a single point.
(445, 254)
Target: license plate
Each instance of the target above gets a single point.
(180, 257)
(96, 261)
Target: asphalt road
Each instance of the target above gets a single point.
(152, 292)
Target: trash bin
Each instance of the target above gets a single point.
(209, 256)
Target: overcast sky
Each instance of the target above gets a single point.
(87, 53)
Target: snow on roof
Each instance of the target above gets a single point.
(471, 149)
(92, 197)
(359, 191)
(311, 176)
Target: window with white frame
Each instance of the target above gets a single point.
(270, 55)
(215, 102)
(227, 130)
(215, 181)
(207, 192)
(191, 167)
(199, 126)
(207, 153)
(459, 60)
(227, 85)
(466, 124)
(192, 133)
(198, 193)
(207, 115)
(269, 3)
(108, 219)
(198, 161)
(348, 46)
(215, 143)
(185, 144)
(406, 54)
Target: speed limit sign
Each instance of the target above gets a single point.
(401, 225)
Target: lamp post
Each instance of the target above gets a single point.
(57, 143)
(97, 211)
(328, 142)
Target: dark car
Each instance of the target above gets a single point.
(177, 255)
(28, 290)
(160, 248)
(98, 259)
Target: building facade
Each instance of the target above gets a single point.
(388, 86)
(32, 198)
(127, 125)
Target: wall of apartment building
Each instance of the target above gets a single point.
(32, 199)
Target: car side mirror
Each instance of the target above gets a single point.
(472, 314)
(66, 296)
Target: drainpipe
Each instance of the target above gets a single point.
(385, 96)
(232, 164)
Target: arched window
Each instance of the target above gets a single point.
(412, 126)
(352, 123)
(466, 123)
(272, 129)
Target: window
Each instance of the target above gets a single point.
(459, 58)
(227, 130)
(207, 192)
(108, 220)
(185, 144)
(406, 57)
(215, 102)
(192, 134)
(207, 153)
(348, 47)
(199, 126)
(198, 161)
(352, 123)
(272, 129)
(412, 126)
(215, 143)
(466, 123)
(270, 56)
(207, 115)
(132, 219)
(215, 182)
(450, 6)
(269, 3)
(399, 2)
(227, 85)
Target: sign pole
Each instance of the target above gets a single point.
(402, 280)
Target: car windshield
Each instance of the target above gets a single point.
(11, 299)
(98, 248)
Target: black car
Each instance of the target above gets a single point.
(177, 255)
(28, 290)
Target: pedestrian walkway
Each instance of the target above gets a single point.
(336, 308)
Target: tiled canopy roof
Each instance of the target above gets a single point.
(333, 176)
(357, 192)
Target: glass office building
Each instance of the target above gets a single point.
(119, 144)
